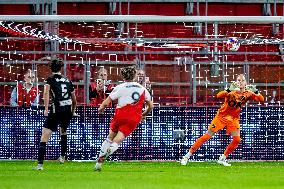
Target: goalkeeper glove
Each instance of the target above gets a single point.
(233, 87)
(252, 88)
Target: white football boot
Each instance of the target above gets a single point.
(39, 167)
(223, 161)
(184, 160)
(61, 159)
(98, 166)
(99, 163)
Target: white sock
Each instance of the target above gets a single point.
(188, 155)
(223, 157)
(105, 145)
(113, 147)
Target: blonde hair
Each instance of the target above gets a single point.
(101, 70)
(242, 75)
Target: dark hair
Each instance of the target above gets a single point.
(55, 65)
(128, 73)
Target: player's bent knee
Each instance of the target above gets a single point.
(46, 133)
(118, 140)
(44, 138)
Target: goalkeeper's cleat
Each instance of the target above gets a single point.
(98, 166)
(223, 161)
(39, 167)
(184, 161)
(234, 87)
(61, 159)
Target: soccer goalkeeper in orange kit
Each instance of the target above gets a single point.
(228, 116)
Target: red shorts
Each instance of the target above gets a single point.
(123, 125)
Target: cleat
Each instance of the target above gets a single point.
(39, 167)
(61, 159)
(223, 161)
(98, 166)
(184, 161)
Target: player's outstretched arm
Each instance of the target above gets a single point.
(233, 87)
(257, 96)
(74, 103)
(222, 94)
(149, 108)
(46, 98)
(105, 103)
(252, 88)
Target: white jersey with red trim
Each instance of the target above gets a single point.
(129, 93)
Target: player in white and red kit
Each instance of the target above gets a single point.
(131, 97)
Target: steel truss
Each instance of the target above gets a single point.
(146, 19)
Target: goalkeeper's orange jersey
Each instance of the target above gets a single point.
(234, 101)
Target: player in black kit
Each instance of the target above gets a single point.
(63, 104)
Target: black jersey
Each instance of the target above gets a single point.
(60, 90)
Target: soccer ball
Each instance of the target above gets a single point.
(233, 44)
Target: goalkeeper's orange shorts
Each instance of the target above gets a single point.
(220, 122)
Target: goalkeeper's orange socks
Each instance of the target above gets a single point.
(199, 143)
(233, 145)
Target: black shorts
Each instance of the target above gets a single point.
(54, 119)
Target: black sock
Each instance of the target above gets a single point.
(41, 152)
(63, 145)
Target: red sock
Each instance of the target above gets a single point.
(199, 143)
(233, 145)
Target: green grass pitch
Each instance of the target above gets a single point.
(138, 175)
